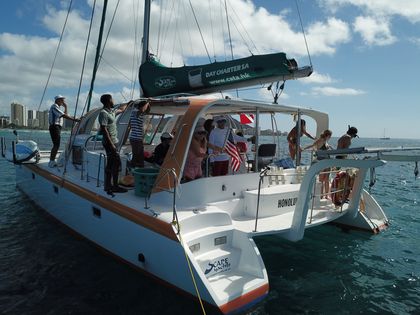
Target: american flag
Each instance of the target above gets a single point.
(233, 152)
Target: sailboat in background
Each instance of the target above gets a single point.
(384, 137)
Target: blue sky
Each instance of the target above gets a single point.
(365, 53)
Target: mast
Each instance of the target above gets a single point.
(145, 41)
(98, 51)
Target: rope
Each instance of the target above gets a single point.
(212, 31)
(199, 29)
(178, 227)
(230, 39)
(55, 56)
(303, 32)
(246, 32)
(79, 88)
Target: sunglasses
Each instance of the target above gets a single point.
(202, 133)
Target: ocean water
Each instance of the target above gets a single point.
(45, 269)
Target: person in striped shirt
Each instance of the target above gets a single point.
(137, 132)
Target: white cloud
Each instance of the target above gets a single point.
(318, 78)
(323, 38)
(332, 91)
(374, 31)
(25, 60)
(408, 9)
(415, 41)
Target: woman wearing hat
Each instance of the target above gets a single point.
(345, 141)
(196, 154)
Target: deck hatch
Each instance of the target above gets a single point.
(220, 240)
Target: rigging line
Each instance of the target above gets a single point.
(73, 131)
(304, 35)
(166, 32)
(244, 28)
(159, 28)
(175, 42)
(135, 57)
(199, 29)
(107, 34)
(243, 39)
(189, 33)
(55, 56)
(230, 39)
(223, 28)
(212, 31)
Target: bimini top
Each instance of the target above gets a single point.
(193, 108)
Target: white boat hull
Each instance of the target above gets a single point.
(121, 233)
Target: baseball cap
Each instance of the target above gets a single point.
(220, 118)
(58, 97)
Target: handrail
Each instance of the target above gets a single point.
(99, 167)
(171, 171)
(207, 163)
(301, 209)
(262, 174)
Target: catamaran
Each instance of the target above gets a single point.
(198, 236)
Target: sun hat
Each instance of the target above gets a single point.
(59, 97)
(166, 135)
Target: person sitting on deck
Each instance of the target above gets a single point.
(162, 149)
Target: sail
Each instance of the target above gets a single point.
(157, 79)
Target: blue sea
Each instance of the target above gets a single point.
(45, 269)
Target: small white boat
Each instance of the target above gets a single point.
(24, 151)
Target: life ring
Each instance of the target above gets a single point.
(340, 188)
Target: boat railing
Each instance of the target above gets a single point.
(168, 172)
(309, 196)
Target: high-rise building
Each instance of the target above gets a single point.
(31, 117)
(42, 119)
(18, 114)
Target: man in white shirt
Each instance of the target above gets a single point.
(55, 119)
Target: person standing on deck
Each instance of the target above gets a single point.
(345, 141)
(108, 129)
(137, 133)
(293, 136)
(55, 120)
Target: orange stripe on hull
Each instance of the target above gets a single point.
(128, 213)
(245, 300)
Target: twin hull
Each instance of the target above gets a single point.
(164, 256)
